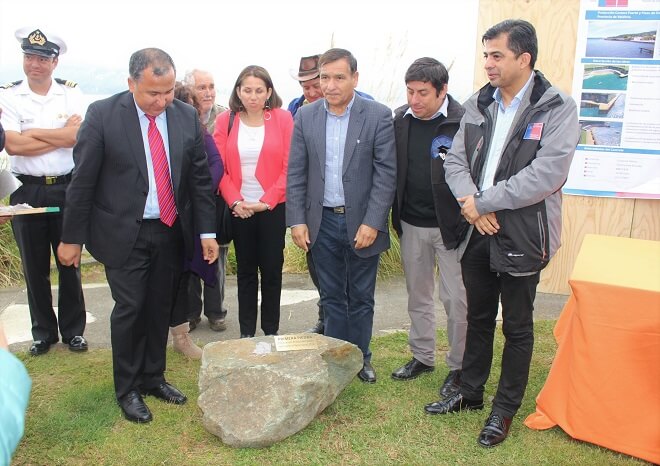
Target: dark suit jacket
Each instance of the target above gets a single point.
(108, 192)
(368, 174)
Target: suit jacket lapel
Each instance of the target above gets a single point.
(134, 134)
(319, 123)
(175, 137)
(401, 129)
(355, 123)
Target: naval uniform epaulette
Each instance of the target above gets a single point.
(10, 85)
(66, 82)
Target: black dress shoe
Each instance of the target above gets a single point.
(319, 327)
(167, 393)
(134, 408)
(77, 343)
(411, 370)
(495, 430)
(39, 347)
(451, 384)
(453, 404)
(367, 374)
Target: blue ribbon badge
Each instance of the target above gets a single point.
(440, 146)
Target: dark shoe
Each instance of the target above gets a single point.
(319, 327)
(246, 336)
(77, 343)
(411, 370)
(134, 407)
(167, 393)
(193, 323)
(495, 430)
(451, 384)
(39, 347)
(218, 324)
(453, 404)
(367, 374)
(271, 334)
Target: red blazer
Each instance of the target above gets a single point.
(273, 159)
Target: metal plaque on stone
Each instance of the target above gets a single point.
(295, 342)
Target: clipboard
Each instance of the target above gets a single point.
(32, 211)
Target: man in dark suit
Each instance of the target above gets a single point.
(340, 186)
(140, 179)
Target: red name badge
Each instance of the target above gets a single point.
(534, 131)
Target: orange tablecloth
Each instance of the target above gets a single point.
(604, 384)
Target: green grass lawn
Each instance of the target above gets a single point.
(73, 419)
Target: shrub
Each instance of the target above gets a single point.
(10, 260)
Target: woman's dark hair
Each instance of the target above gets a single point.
(185, 93)
(275, 101)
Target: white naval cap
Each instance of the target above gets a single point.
(35, 42)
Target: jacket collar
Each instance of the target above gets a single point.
(540, 86)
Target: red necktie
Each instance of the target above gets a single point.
(162, 174)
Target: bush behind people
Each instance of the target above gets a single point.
(294, 259)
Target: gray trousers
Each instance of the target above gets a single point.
(421, 250)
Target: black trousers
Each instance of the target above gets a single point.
(259, 246)
(36, 236)
(188, 303)
(144, 289)
(484, 289)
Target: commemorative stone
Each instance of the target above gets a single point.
(255, 392)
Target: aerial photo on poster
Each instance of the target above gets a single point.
(606, 77)
(600, 133)
(605, 105)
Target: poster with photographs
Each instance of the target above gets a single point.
(617, 87)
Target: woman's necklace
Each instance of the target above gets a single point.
(252, 120)
(252, 132)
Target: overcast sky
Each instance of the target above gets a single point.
(225, 36)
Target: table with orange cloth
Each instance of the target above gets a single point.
(604, 383)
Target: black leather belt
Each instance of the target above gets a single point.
(338, 210)
(28, 179)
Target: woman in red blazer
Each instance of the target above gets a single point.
(253, 138)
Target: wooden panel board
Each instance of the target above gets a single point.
(646, 220)
(582, 215)
(556, 27)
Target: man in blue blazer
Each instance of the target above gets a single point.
(141, 188)
(340, 186)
